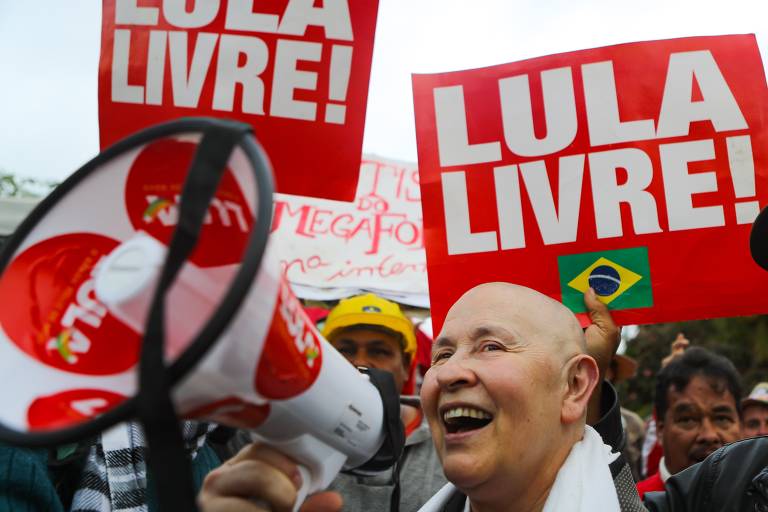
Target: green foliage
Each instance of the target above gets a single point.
(742, 340)
(16, 186)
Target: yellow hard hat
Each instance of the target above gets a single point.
(370, 309)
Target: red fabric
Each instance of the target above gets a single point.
(654, 457)
(414, 424)
(423, 351)
(316, 313)
(409, 387)
(650, 484)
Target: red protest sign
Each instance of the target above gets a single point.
(634, 169)
(297, 73)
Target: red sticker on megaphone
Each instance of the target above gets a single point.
(233, 412)
(51, 311)
(68, 408)
(292, 355)
(152, 196)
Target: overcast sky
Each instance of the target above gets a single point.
(49, 52)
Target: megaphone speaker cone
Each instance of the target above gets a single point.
(73, 360)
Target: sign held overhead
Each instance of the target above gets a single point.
(298, 73)
(658, 146)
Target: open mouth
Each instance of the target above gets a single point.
(465, 419)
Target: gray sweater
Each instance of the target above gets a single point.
(421, 476)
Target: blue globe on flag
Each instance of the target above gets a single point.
(605, 280)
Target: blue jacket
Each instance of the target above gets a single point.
(27, 483)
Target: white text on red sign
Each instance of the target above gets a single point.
(559, 223)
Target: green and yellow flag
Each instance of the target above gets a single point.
(620, 278)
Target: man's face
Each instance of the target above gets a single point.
(373, 349)
(699, 419)
(491, 395)
(755, 420)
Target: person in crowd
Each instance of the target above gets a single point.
(106, 474)
(754, 412)
(623, 368)
(373, 332)
(697, 410)
(507, 400)
(652, 451)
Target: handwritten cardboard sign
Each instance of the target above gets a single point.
(331, 249)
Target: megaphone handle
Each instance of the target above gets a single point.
(318, 463)
(303, 491)
(301, 494)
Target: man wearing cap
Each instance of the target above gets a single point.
(373, 332)
(754, 412)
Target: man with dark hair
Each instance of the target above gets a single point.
(697, 405)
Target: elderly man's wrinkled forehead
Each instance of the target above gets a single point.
(522, 310)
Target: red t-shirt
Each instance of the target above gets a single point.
(650, 484)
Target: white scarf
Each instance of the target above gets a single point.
(583, 483)
(663, 471)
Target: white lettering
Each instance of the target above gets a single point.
(460, 238)
(452, 138)
(203, 12)
(561, 225)
(229, 73)
(156, 66)
(187, 86)
(679, 185)
(122, 92)
(240, 16)
(742, 165)
(509, 207)
(678, 110)
(287, 78)
(559, 113)
(607, 194)
(128, 13)
(89, 407)
(333, 16)
(605, 125)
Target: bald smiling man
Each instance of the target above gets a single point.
(508, 399)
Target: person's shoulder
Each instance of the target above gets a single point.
(733, 478)
(632, 418)
(25, 482)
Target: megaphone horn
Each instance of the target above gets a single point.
(176, 278)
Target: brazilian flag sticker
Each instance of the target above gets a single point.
(621, 278)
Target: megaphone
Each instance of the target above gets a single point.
(146, 283)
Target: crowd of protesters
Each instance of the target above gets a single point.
(698, 409)
(518, 403)
(517, 412)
